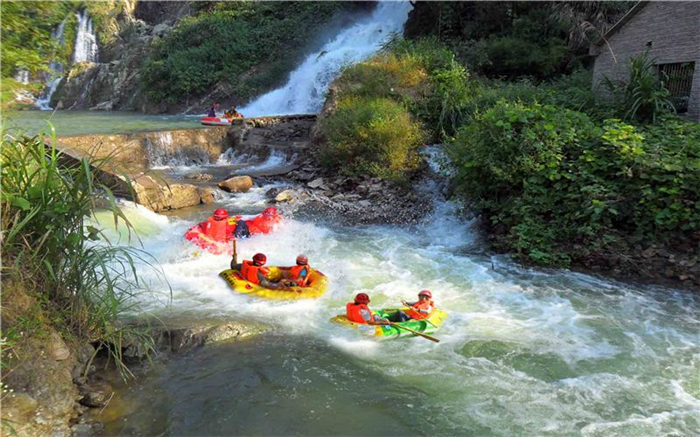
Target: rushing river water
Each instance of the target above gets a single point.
(523, 352)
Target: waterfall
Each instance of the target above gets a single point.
(85, 49)
(56, 68)
(305, 90)
(22, 76)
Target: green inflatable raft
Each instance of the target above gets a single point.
(385, 332)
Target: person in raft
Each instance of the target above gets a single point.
(255, 272)
(359, 312)
(416, 310)
(299, 274)
(212, 110)
(264, 223)
(232, 113)
(220, 226)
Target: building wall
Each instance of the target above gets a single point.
(673, 28)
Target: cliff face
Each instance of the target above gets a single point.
(114, 82)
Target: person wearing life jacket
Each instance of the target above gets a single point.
(359, 312)
(299, 274)
(265, 222)
(255, 272)
(219, 227)
(422, 308)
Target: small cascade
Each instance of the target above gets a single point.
(85, 49)
(163, 154)
(22, 76)
(54, 77)
(305, 91)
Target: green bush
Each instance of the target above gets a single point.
(643, 95)
(371, 136)
(224, 44)
(556, 187)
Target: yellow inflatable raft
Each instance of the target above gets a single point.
(317, 285)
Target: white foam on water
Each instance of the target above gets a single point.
(306, 88)
(556, 352)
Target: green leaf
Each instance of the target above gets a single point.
(21, 203)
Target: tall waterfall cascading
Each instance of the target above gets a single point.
(56, 68)
(305, 90)
(85, 49)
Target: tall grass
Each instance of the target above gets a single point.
(47, 246)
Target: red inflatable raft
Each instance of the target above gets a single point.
(263, 223)
(215, 121)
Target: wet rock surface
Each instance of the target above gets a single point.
(351, 200)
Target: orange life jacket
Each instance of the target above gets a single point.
(262, 224)
(216, 229)
(353, 312)
(294, 275)
(420, 306)
(249, 271)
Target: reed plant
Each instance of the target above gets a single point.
(47, 245)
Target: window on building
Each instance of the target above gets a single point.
(678, 80)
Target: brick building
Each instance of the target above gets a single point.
(670, 31)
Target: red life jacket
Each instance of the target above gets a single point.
(217, 230)
(262, 224)
(249, 271)
(420, 306)
(294, 275)
(353, 312)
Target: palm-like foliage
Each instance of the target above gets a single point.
(47, 244)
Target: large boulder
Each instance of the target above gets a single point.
(161, 197)
(237, 184)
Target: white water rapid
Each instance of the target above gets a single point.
(85, 49)
(305, 90)
(523, 352)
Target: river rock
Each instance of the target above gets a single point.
(96, 394)
(237, 184)
(57, 348)
(316, 183)
(199, 176)
(206, 195)
(18, 407)
(285, 196)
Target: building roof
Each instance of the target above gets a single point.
(627, 17)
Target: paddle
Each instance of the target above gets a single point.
(429, 337)
(234, 261)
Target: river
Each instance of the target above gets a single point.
(523, 352)
(93, 122)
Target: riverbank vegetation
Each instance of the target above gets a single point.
(559, 178)
(58, 271)
(244, 48)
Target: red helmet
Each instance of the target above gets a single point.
(220, 214)
(259, 258)
(362, 298)
(270, 212)
(426, 293)
(302, 260)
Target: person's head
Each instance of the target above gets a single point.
(362, 298)
(270, 212)
(259, 259)
(302, 260)
(220, 214)
(216, 104)
(425, 295)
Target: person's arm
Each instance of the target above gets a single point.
(372, 319)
